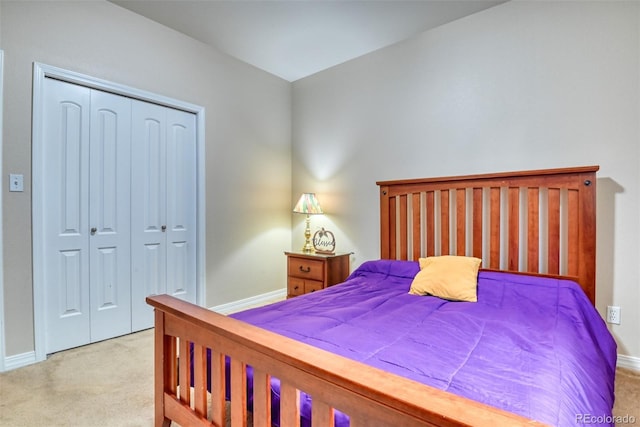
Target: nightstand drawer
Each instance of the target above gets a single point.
(295, 286)
(306, 268)
(312, 286)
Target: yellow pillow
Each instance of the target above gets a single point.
(449, 277)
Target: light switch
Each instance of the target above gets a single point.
(16, 182)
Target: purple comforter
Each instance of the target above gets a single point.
(533, 346)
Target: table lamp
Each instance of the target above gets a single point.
(308, 204)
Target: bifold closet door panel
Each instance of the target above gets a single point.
(110, 215)
(66, 113)
(148, 209)
(181, 205)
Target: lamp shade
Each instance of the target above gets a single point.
(308, 204)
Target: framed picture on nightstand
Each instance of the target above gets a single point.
(324, 242)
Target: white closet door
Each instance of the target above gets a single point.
(87, 224)
(109, 215)
(66, 191)
(119, 220)
(163, 207)
(181, 205)
(148, 204)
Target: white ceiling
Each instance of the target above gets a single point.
(294, 39)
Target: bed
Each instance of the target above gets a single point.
(531, 351)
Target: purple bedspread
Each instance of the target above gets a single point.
(533, 346)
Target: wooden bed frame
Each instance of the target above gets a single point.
(540, 222)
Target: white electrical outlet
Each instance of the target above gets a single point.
(613, 314)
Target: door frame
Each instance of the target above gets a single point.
(42, 71)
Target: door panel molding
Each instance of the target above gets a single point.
(40, 73)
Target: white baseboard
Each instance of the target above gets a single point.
(628, 362)
(255, 301)
(19, 360)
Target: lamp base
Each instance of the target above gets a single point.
(308, 247)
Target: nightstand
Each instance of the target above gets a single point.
(309, 272)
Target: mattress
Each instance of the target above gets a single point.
(530, 345)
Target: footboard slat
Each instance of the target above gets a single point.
(218, 378)
(261, 398)
(290, 405)
(238, 393)
(366, 394)
(200, 379)
(322, 414)
(184, 367)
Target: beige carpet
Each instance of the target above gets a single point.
(627, 396)
(111, 384)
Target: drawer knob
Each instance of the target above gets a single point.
(305, 270)
(296, 288)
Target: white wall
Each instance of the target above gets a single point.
(524, 85)
(248, 139)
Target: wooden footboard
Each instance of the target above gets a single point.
(369, 396)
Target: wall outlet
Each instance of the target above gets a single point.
(613, 314)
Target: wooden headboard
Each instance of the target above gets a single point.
(539, 221)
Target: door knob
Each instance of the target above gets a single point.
(164, 228)
(93, 230)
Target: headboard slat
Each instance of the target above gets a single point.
(461, 221)
(494, 224)
(445, 244)
(416, 233)
(403, 227)
(540, 221)
(514, 228)
(533, 232)
(477, 222)
(553, 255)
(573, 233)
(429, 234)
